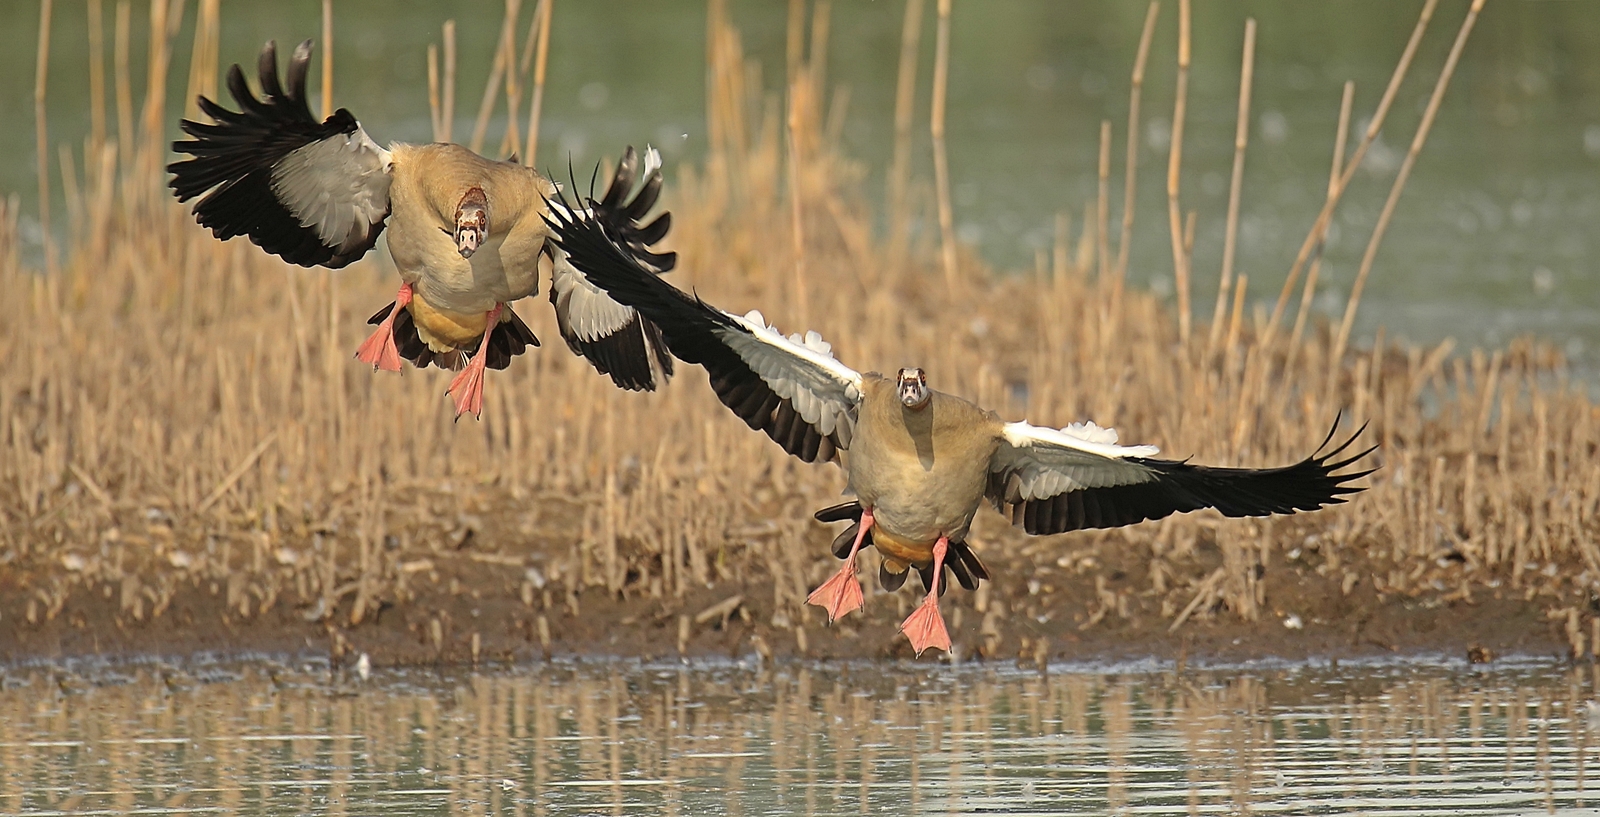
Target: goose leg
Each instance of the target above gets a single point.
(378, 349)
(841, 593)
(467, 387)
(925, 626)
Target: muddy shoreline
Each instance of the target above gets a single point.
(463, 611)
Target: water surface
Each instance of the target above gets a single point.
(816, 740)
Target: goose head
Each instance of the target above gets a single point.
(912, 386)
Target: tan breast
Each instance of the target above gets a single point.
(922, 472)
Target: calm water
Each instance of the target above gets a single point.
(624, 738)
(1495, 235)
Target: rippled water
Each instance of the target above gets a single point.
(624, 738)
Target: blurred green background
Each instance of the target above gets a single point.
(1495, 235)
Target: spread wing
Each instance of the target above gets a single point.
(1079, 477)
(314, 193)
(791, 388)
(614, 337)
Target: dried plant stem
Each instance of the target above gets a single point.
(1410, 161)
(904, 109)
(1180, 261)
(41, 133)
(542, 15)
(327, 58)
(799, 88)
(1309, 294)
(435, 111)
(1320, 226)
(153, 145)
(941, 165)
(1102, 209)
(97, 76)
(508, 33)
(491, 89)
(124, 83)
(1125, 240)
(1241, 139)
(203, 56)
(447, 115)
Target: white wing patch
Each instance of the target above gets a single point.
(802, 370)
(338, 186)
(585, 309)
(1046, 462)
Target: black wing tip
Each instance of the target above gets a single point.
(623, 355)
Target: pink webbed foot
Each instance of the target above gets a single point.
(925, 626)
(841, 593)
(378, 350)
(467, 387)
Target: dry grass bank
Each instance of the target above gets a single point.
(179, 415)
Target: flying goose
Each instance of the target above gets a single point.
(465, 232)
(920, 461)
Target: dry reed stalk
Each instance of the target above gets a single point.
(203, 56)
(801, 93)
(97, 77)
(42, 135)
(1102, 209)
(904, 110)
(327, 58)
(1125, 241)
(1241, 139)
(536, 107)
(123, 80)
(1320, 226)
(1417, 141)
(1346, 102)
(435, 111)
(491, 88)
(447, 115)
(512, 140)
(817, 66)
(941, 164)
(1180, 260)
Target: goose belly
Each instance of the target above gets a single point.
(918, 506)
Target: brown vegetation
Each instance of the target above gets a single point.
(181, 419)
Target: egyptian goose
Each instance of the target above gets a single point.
(465, 232)
(920, 462)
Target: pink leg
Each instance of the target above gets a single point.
(925, 626)
(378, 349)
(467, 387)
(841, 593)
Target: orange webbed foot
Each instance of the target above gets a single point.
(925, 627)
(467, 388)
(840, 594)
(379, 350)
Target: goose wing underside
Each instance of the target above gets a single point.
(1051, 481)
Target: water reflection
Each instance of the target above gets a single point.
(616, 738)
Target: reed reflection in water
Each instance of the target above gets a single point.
(624, 738)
